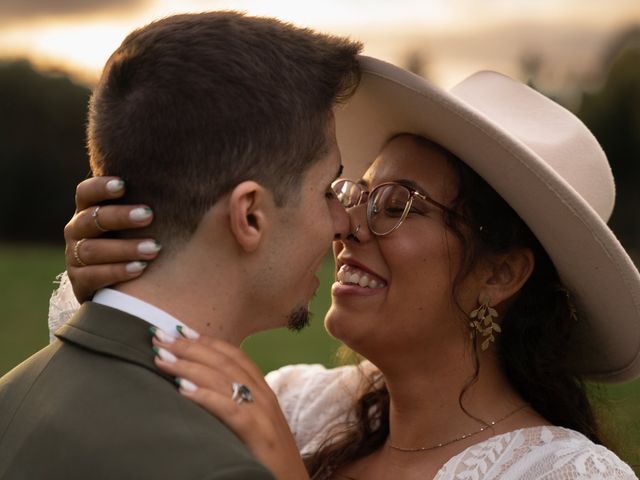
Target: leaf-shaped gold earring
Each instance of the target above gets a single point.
(482, 320)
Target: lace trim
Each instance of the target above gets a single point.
(552, 453)
(62, 305)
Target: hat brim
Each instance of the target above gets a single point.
(603, 281)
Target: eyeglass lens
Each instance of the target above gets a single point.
(385, 207)
(348, 193)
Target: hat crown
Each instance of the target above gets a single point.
(553, 133)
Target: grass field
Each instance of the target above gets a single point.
(26, 282)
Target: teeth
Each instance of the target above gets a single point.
(348, 275)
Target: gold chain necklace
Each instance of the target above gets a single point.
(463, 437)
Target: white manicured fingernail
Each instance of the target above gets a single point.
(149, 246)
(165, 355)
(163, 336)
(135, 267)
(115, 185)
(186, 385)
(187, 332)
(140, 214)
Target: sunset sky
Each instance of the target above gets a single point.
(453, 37)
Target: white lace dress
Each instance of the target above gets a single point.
(315, 399)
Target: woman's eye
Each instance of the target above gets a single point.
(417, 210)
(394, 211)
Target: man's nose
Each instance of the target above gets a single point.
(341, 221)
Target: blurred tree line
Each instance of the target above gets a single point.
(43, 156)
(613, 115)
(42, 151)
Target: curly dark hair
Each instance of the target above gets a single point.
(536, 330)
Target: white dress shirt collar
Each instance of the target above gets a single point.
(138, 308)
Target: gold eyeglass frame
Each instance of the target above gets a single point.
(365, 195)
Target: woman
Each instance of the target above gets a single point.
(478, 322)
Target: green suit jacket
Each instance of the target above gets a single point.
(93, 406)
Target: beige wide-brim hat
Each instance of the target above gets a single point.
(544, 162)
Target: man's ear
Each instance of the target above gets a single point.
(507, 274)
(249, 203)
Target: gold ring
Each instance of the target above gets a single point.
(76, 253)
(95, 220)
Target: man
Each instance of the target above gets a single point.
(224, 124)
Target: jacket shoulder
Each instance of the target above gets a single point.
(80, 414)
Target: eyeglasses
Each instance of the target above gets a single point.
(388, 204)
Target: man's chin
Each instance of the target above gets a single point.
(299, 319)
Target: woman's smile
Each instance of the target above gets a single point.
(354, 278)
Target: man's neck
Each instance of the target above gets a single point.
(213, 312)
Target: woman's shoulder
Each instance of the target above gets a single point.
(546, 451)
(62, 305)
(314, 398)
(306, 386)
(293, 379)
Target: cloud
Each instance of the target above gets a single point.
(32, 9)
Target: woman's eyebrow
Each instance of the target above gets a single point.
(412, 185)
(402, 181)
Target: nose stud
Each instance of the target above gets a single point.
(353, 234)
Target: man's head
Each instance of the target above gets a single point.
(190, 106)
(223, 124)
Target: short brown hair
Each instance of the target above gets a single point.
(191, 105)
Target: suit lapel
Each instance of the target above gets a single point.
(111, 332)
